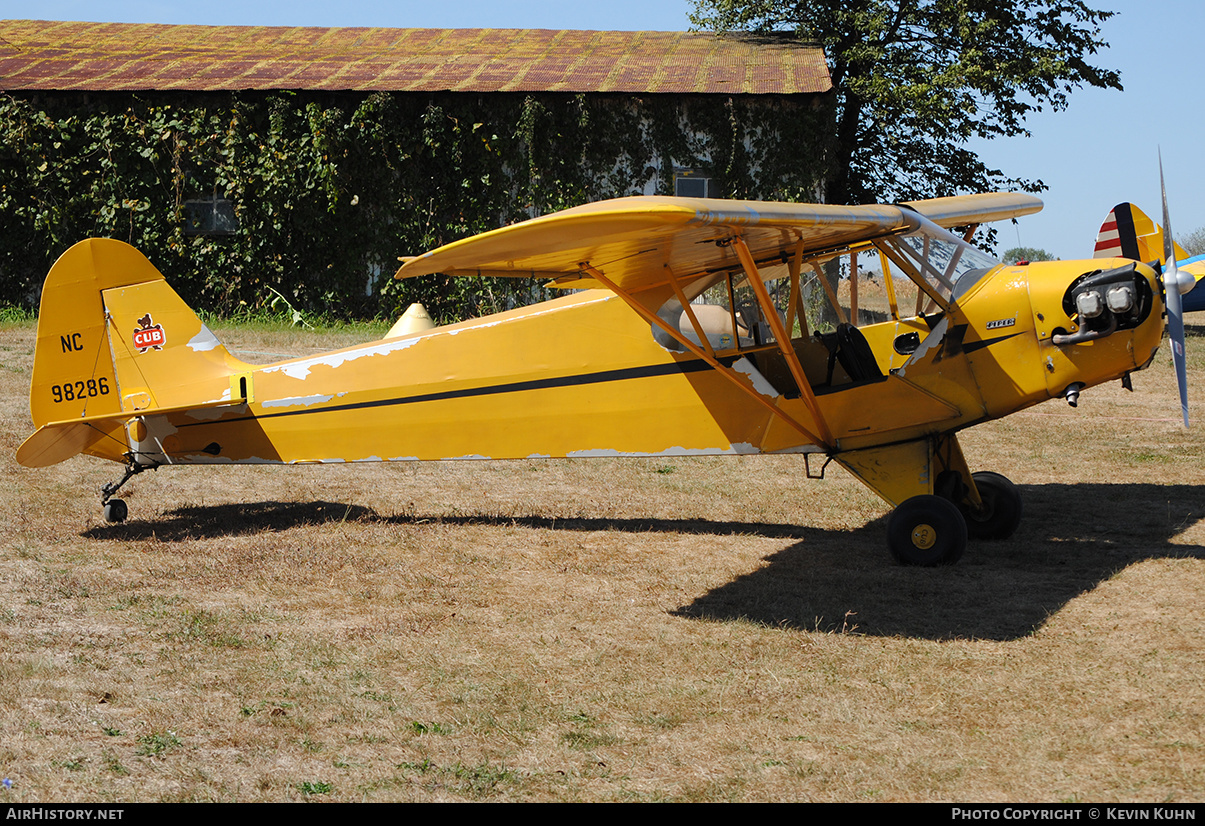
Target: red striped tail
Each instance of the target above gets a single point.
(1117, 237)
(1128, 233)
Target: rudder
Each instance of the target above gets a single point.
(1127, 232)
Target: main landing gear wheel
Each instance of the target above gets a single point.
(1001, 512)
(926, 530)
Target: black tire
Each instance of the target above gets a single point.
(926, 530)
(116, 510)
(1001, 513)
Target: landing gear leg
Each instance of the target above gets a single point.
(932, 522)
(115, 510)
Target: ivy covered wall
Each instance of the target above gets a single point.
(328, 189)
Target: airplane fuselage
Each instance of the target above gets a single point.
(583, 376)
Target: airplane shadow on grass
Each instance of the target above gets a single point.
(1072, 537)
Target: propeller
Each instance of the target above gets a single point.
(1175, 283)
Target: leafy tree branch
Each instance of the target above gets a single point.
(914, 80)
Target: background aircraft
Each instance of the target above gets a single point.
(1128, 233)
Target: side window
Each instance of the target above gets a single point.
(712, 308)
(727, 313)
(862, 288)
(879, 292)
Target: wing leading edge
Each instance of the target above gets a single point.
(638, 242)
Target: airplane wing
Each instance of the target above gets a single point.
(1194, 300)
(633, 245)
(638, 242)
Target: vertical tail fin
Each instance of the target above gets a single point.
(114, 338)
(1128, 233)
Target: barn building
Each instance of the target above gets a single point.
(305, 160)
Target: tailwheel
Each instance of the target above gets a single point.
(1001, 511)
(116, 510)
(926, 530)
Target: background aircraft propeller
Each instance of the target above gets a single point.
(1175, 283)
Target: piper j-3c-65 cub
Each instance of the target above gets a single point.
(693, 331)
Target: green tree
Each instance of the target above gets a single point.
(914, 80)
(1012, 256)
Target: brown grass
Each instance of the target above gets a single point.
(682, 629)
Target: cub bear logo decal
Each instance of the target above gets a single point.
(149, 335)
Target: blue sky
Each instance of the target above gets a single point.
(1098, 152)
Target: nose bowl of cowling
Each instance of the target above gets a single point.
(1095, 320)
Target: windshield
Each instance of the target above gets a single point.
(945, 263)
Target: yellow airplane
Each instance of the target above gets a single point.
(695, 327)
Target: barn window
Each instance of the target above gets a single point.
(694, 183)
(209, 216)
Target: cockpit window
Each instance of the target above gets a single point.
(911, 275)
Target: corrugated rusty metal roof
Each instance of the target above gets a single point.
(47, 55)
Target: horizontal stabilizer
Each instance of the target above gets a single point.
(59, 441)
(54, 443)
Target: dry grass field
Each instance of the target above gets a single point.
(606, 630)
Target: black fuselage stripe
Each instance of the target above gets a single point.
(601, 377)
(972, 346)
(604, 376)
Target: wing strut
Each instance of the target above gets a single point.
(781, 336)
(690, 313)
(727, 372)
(832, 296)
